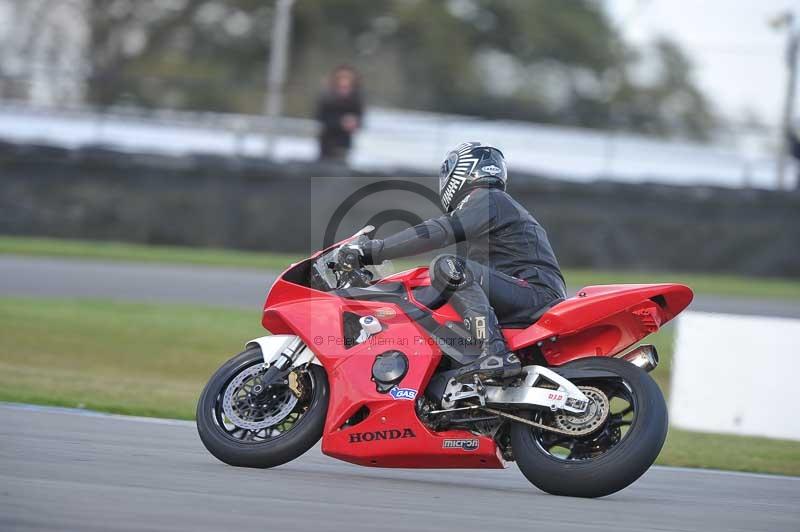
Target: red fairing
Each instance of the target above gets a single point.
(600, 321)
(391, 435)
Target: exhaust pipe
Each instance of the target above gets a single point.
(644, 356)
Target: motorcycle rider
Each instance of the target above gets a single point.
(509, 271)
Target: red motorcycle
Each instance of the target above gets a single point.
(368, 367)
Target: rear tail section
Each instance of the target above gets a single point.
(602, 321)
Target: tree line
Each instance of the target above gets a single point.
(561, 62)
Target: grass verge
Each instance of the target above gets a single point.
(726, 285)
(153, 360)
(139, 359)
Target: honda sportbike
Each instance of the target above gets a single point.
(366, 364)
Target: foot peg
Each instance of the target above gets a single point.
(458, 391)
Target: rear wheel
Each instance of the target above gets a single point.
(241, 428)
(614, 454)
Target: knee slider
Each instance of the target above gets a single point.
(449, 273)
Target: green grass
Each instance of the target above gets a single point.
(140, 359)
(735, 453)
(153, 360)
(726, 285)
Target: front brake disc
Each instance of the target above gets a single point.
(245, 412)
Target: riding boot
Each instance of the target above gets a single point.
(496, 360)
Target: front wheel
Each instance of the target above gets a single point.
(612, 456)
(244, 429)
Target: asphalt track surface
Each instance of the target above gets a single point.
(61, 470)
(230, 287)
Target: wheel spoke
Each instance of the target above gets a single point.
(626, 411)
(556, 440)
(572, 454)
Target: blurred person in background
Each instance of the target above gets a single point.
(793, 139)
(339, 111)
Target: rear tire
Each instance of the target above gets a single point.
(614, 469)
(298, 439)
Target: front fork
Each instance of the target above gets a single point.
(280, 352)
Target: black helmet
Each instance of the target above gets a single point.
(470, 165)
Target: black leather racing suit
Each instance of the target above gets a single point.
(509, 272)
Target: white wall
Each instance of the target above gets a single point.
(736, 374)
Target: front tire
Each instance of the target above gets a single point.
(254, 445)
(607, 460)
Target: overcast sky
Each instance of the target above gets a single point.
(739, 59)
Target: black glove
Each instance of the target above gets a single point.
(350, 257)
